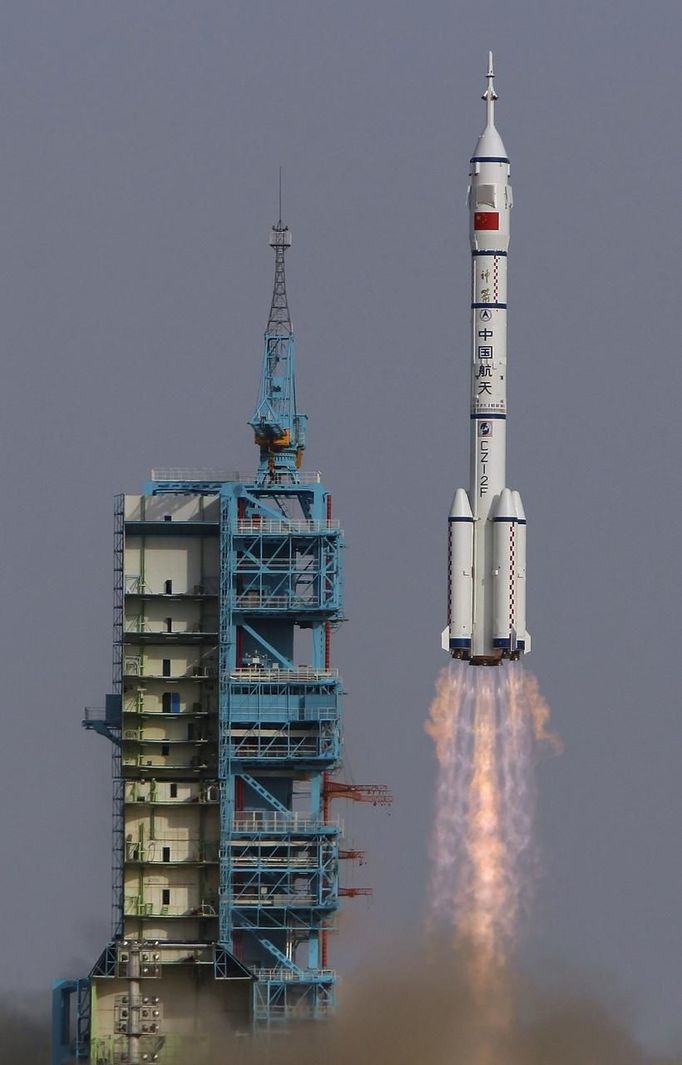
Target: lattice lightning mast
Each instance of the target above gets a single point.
(278, 427)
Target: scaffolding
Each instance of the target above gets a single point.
(280, 731)
(225, 719)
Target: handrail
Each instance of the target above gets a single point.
(177, 473)
(133, 666)
(261, 821)
(292, 975)
(286, 526)
(141, 625)
(135, 584)
(284, 675)
(257, 598)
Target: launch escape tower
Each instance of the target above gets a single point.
(225, 724)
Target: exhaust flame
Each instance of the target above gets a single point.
(485, 725)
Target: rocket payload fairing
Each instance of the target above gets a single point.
(487, 525)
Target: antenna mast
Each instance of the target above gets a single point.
(278, 427)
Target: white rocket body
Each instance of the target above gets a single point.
(487, 525)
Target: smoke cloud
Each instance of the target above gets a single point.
(416, 1009)
(423, 1011)
(24, 1033)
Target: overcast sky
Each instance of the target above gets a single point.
(139, 146)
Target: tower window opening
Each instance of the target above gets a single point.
(170, 702)
(166, 669)
(168, 588)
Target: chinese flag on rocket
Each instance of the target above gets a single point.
(486, 220)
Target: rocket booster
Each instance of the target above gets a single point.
(487, 524)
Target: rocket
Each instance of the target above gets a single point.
(487, 524)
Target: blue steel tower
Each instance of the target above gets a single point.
(225, 724)
(281, 588)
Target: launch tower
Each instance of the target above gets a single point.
(225, 724)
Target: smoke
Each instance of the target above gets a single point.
(416, 1009)
(24, 1032)
(421, 1009)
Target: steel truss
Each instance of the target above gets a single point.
(280, 724)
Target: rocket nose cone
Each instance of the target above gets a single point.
(461, 508)
(505, 509)
(520, 512)
(490, 145)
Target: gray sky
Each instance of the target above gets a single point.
(139, 146)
